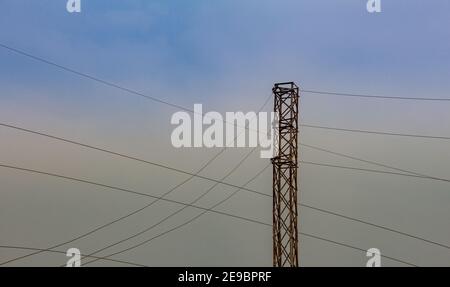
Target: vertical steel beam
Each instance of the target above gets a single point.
(285, 165)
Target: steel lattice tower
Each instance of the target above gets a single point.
(285, 231)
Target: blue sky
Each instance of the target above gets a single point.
(197, 47)
(207, 40)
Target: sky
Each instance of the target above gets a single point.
(225, 55)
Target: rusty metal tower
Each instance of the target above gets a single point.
(285, 165)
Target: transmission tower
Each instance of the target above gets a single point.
(285, 232)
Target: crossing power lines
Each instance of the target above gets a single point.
(134, 192)
(385, 133)
(147, 205)
(197, 174)
(217, 181)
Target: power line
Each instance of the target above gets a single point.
(40, 59)
(93, 78)
(167, 217)
(161, 101)
(374, 163)
(225, 199)
(35, 171)
(183, 108)
(118, 154)
(373, 96)
(304, 205)
(196, 174)
(78, 237)
(266, 224)
(116, 220)
(375, 225)
(356, 248)
(192, 202)
(362, 169)
(406, 172)
(111, 84)
(138, 193)
(116, 86)
(228, 197)
(413, 174)
(176, 212)
(142, 265)
(200, 176)
(135, 211)
(301, 233)
(62, 252)
(103, 82)
(211, 209)
(363, 221)
(374, 132)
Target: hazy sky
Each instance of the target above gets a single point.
(226, 55)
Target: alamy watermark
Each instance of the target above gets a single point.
(373, 6)
(375, 257)
(236, 129)
(73, 6)
(75, 257)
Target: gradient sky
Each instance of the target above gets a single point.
(226, 55)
